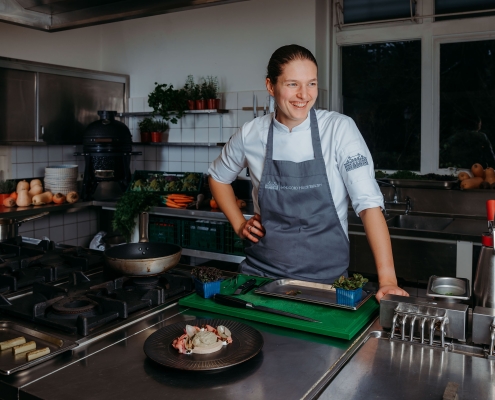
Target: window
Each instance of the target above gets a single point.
(381, 91)
(375, 10)
(405, 83)
(467, 104)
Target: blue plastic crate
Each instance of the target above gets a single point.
(207, 290)
(349, 297)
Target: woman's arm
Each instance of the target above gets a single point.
(379, 240)
(225, 198)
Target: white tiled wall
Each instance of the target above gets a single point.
(74, 228)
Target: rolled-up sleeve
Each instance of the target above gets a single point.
(356, 168)
(231, 161)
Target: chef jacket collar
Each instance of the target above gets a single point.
(303, 126)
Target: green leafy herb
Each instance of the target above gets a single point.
(207, 274)
(353, 282)
(128, 208)
(7, 186)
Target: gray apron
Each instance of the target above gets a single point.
(304, 238)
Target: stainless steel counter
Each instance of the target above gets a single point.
(291, 366)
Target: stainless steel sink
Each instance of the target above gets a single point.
(419, 222)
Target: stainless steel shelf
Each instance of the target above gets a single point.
(180, 144)
(149, 113)
(212, 256)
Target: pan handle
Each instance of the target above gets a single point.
(144, 219)
(21, 221)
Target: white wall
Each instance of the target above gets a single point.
(80, 48)
(233, 42)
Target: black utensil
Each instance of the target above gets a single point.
(246, 286)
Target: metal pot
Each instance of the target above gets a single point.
(9, 226)
(143, 258)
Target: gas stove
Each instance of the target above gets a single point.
(24, 261)
(69, 294)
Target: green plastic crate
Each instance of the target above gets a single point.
(165, 230)
(233, 244)
(203, 235)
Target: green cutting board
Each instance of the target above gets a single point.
(335, 322)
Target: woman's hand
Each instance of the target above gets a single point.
(390, 289)
(252, 229)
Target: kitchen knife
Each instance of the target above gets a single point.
(255, 106)
(239, 303)
(248, 285)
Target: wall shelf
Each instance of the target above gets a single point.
(179, 144)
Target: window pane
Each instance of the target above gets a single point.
(375, 10)
(467, 104)
(381, 90)
(454, 6)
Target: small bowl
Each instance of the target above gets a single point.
(448, 288)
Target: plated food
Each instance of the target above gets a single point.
(202, 340)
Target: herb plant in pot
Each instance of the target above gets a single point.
(190, 88)
(207, 281)
(349, 290)
(145, 127)
(159, 127)
(169, 103)
(211, 93)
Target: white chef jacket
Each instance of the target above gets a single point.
(347, 159)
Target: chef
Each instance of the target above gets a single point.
(304, 164)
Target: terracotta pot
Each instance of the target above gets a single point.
(200, 104)
(191, 104)
(210, 104)
(217, 104)
(156, 137)
(145, 137)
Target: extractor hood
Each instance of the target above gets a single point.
(59, 15)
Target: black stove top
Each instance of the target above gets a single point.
(25, 261)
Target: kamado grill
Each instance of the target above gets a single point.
(107, 151)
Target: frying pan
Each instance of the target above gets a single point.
(143, 258)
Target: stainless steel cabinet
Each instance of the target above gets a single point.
(68, 104)
(17, 105)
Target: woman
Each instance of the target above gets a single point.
(303, 165)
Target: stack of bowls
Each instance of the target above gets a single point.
(61, 178)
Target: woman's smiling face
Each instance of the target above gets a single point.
(295, 92)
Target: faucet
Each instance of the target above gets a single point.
(406, 203)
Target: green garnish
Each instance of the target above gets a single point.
(353, 282)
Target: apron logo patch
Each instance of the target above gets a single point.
(305, 187)
(271, 185)
(355, 162)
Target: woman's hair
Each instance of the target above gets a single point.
(283, 55)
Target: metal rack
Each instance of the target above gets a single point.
(198, 112)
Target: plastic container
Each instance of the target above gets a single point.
(207, 290)
(233, 244)
(349, 297)
(165, 230)
(203, 235)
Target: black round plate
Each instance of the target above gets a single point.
(246, 343)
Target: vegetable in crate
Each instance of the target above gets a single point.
(128, 208)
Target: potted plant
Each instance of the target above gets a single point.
(168, 102)
(6, 188)
(158, 127)
(207, 281)
(145, 127)
(196, 94)
(211, 93)
(190, 88)
(349, 290)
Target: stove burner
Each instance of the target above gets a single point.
(74, 305)
(148, 282)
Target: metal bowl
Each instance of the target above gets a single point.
(449, 288)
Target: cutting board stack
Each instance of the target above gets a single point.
(61, 178)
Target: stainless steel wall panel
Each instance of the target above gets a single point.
(17, 105)
(68, 104)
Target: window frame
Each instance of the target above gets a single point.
(431, 34)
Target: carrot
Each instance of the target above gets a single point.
(189, 198)
(172, 205)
